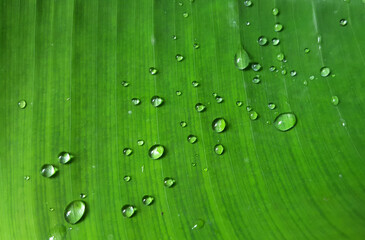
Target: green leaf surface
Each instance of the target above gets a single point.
(68, 58)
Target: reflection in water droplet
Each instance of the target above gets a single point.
(183, 124)
(335, 100)
(147, 200)
(156, 151)
(198, 224)
(74, 211)
(127, 151)
(325, 71)
(157, 101)
(64, 157)
(153, 70)
(200, 107)
(22, 104)
(285, 121)
(128, 211)
(169, 182)
(219, 125)
(241, 59)
(219, 149)
(48, 170)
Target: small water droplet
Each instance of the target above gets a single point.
(280, 56)
(195, 83)
(180, 4)
(26, 178)
(192, 139)
(178, 93)
(283, 72)
(241, 59)
(219, 125)
(275, 11)
(271, 106)
(136, 101)
(74, 211)
(343, 22)
(248, 23)
(179, 57)
(196, 45)
(278, 27)
(219, 99)
(125, 84)
(306, 50)
(174, 37)
(285, 121)
(256, 67)
(262, 41)
(214, 94)
(169, 182)
(247, 3)
(305, 82)
(219, 149)
(83, 195)
(248, 108)
(200, 107)
(239, 103)
(147, 200)
(153, 70)
(183, 124)
(253, 115)
(272, 68)
(58, 232)
(198, 224)
(275, 41)
(156, 151)
(325, 71)
(157, 101)
(335, 100)
(193, 164)
(140, 142)
(127, 151)
(185, 14)
(64, 157)
(48, 170)
(127, 178)
(128, 211)
(51, 209)
(22, 104)
(293, 73)
(311, 77)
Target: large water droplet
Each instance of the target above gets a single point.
(198, 224)
(192, 139)
(200, 107)
(219, 125)
(169, 182)
(58, 232)
(285, 121)
(147, 200)
(262, 41)
(335, 100)
(64, 157)
(48, 170)
(127, 151)
(179, 57)
(219, 149)
(241, 59)
(75, 211)
(325, 71)
(156, 151)
(22, 104)
(128, 211)
(157, 101)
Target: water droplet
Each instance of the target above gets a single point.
(125, 84)
(280, 56)
(293, 73)
(147, 200)
(196, 45)
(239, 103)
(219, 99)
(205, 169)
(262, 41)
(256, 67)
(153, 70)
(278, 27)
(285, 121)
(183, 124)
(22, 104)
(26, 178)
(305, 82)
(83, 195)
(128, 211)
(195, 84)
(58, 232)
(335, 100)
(343, 22)
(127, 151)
(180, 4)
(179, 57)
(306, 50)
(185, 14)
(178, 93)
(200, 107)
(253, 115)
(51, 209)
(219, 149)
(248, 23)
(174, 37)
(48, 170)
(64, 157)
(271, 106)
(283, 72)
(275, 41)
(311, 77)
(75, 211)
(193, 164)
(156, 151)
(214, 94)
(169, 182)
(275, 11)
(198, 224)
(272, 68)
(127, 178)
(247, 3)
(136, 101)
(248, 108)
(241, 59)
(157, 101)
(219, 125)
(192, 139)
(325, 71)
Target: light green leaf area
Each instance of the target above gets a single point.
(70, 69)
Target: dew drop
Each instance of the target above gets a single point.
(248, 108)
(178, 93)
(193, 164)
(262, 41)
(125, 83)
(140, 142)
(64, 157)
(306, 50)
(169, 182)
(253, 115)
(325, 71)
(192, 139)
(272, 68)
(185, 14)
(195, 83)
(219, 99)
(196, 45)
(285, 121)
(74, 211)
(198, 224)
(343, 22)
(128, 211)
(153, 70)
(174, 37)
(179, 57)
(136, 101)
(256, 67)
(275, 11)
(247, 3)
(278, 27)
(335, 100)
(26, 178)
(157, 101)
(183, 124)
(280, 57)
(283, 72)
(241, 59)
(293, 73)
(219, 125)
(48, 170)
(22, 104)
(83, 195)
(200, 107)
(156, 151)
(127, 178)
(127, 151)
(271, 106)
(275, 41)
(239, 103)
(219, 149)
(147, 200)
